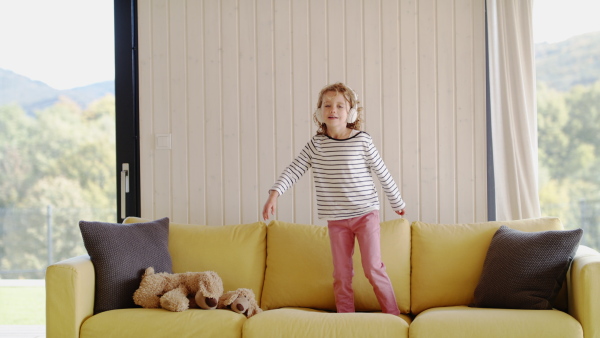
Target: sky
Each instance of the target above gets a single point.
(63, 43)
(558, 20)
(70, 43)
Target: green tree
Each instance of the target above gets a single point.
(569, 157)
(61, 161)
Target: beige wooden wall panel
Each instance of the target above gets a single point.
(235, 83)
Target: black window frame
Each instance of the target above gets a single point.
(127, 103)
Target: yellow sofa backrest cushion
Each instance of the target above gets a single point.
(236, 252)
(299, 269)
(447, 259)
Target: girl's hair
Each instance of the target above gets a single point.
(350, 96)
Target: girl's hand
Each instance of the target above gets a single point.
(400, 212)
(270, 205)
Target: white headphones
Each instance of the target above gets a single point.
(352, 114)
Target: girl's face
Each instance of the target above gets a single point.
(334, 109)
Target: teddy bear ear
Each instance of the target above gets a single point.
(228, 298)
(149, 271)
(213, 287)
(248, 293)
(217, 283)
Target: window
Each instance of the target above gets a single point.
(58, 145)
(568, 104)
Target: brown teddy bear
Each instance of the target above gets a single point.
(241, 301)
(179, 291)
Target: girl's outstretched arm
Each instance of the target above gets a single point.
(385, 178)
(288, 177)
(270, 205)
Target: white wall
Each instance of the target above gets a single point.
(235, 82)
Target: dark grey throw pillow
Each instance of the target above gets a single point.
(120, 254)
(525, 270)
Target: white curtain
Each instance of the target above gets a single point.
(513, 108)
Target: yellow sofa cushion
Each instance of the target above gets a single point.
(236, 252)
(447, 259)
(298, 322)
(465, 322)
(299, 267)
(128, 323)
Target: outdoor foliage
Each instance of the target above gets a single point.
(56, 168)
(569, 157)
(568, 107)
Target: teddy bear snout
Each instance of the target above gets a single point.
(211, 302)
(240, 307)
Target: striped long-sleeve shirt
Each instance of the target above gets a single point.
(342, 176)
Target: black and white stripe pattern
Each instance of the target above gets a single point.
(342, 176)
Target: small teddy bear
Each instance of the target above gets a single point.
(241, 301)
(179, 291)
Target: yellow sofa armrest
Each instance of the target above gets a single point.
(584, 290)
(69, 296)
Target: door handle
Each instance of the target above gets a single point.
(124, 188)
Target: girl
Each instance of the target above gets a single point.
(342, 158)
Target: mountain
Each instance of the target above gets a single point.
(35, 95)
(568, 63)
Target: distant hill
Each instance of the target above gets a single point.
(35, 95)
(568, 63)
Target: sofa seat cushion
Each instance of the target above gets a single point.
(128, 323)
(310, 323)
(464, 322)
(236, 252)
(299, 270)
(447, 259)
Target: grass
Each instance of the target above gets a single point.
(22, 305)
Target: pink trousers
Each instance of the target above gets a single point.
(342, 234)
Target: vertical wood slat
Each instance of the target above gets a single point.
(213, 114)
(428, 113)
(301, 103)
(160, 105)
(336, 49)
(252, 195)
(230, 113)
(464, 111)
(145, 106)
(235, 84)
(479, 104)
(318, 72)
(354, 76)
(265, 96)
(391, 147)
(196, 127)
(178, 111)
(410, 128)
(284, 131)
(446, 93)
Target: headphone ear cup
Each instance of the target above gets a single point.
(352, 115)
(319, 115)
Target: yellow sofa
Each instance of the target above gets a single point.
(434, 269)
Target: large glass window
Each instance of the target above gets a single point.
(57, 135)
(567, 49)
